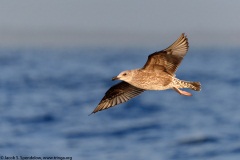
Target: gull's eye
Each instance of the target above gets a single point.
(124, 74)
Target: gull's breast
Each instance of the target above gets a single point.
(152, 80)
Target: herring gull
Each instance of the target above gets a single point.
(157, 74)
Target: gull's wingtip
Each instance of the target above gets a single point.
(91, 113)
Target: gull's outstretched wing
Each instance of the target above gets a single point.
(117, 94)
(170, 58)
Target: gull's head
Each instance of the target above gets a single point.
(124, 76)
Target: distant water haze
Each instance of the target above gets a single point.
(154, 24)
(112, 39)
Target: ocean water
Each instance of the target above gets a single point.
(46, 96)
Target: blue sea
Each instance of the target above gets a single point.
(46, 96)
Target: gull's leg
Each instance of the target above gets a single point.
(184, 93)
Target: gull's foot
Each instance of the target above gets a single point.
(184, 93)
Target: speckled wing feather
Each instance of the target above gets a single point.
(170, 58)
(117, 94)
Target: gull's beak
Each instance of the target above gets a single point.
(115, 78)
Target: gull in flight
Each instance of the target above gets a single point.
(157, 74)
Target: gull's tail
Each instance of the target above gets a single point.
(196, 86)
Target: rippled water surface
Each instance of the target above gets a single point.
(46, 96)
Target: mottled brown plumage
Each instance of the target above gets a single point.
(117, 94)
(157, 74)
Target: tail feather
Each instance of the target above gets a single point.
(196, 86)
